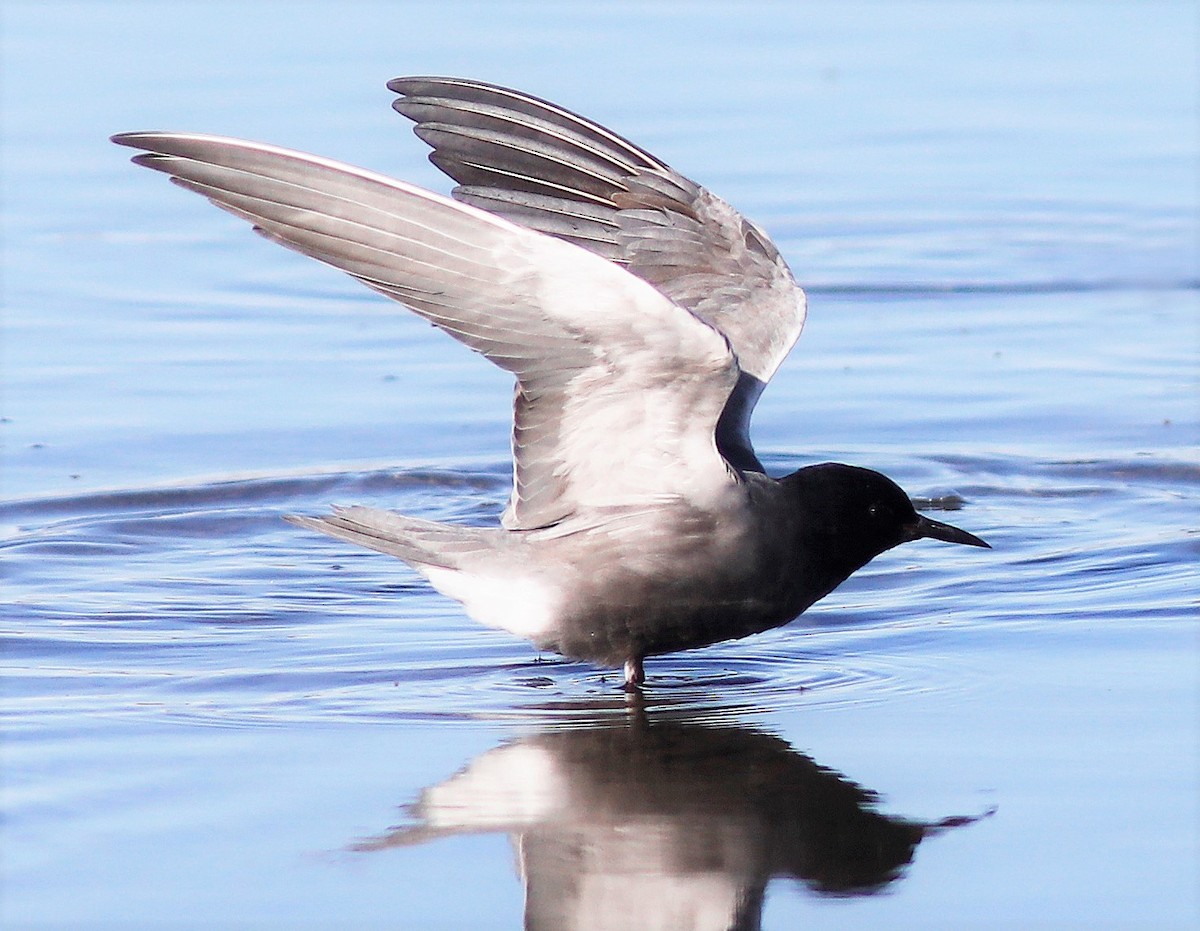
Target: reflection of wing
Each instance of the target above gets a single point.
(584, 865)
(666, 824)
(637, 875)
(618, 389)
(548, 169)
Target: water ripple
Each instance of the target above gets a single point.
(199, 603)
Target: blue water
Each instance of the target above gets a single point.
(214, 719)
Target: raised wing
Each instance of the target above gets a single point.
(553, 171)
(618, 389)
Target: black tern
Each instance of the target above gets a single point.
(651, 821)
(641, 316)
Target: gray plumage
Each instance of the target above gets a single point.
(641, 317)
(550, 170)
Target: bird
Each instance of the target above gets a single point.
(652, 821)
(641, 317)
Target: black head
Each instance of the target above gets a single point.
(848, 516)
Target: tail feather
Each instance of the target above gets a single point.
(418, 542)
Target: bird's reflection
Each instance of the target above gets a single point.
(658, 823)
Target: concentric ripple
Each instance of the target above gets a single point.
(200, 603)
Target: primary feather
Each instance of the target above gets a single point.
(577, 331)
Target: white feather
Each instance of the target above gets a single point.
(527, 607)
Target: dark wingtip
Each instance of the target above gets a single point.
(137, 140)
(406, 84)
(402, 85)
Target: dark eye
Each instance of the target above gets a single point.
(873, 510)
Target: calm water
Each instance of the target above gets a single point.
(213, 719)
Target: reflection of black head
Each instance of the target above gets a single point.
(804, 820)
(654, 809)
(827, 834)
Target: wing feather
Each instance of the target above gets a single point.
(554, 171)
(619, 389)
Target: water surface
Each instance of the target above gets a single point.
(214, 719)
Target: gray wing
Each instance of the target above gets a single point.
(553, 171)
(618, 389)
